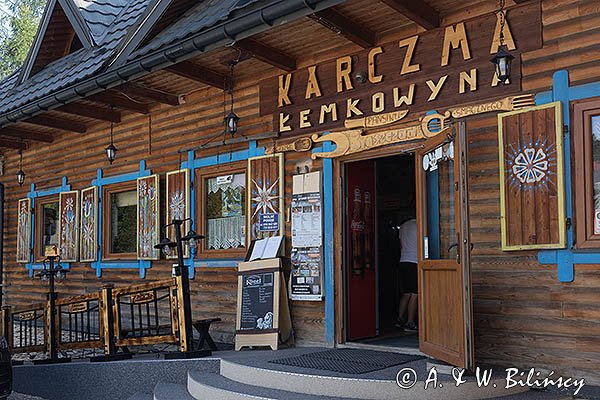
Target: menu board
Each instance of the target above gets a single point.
(263, 315)
(257, 301)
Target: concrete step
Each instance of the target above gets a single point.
(203, 385)
(371, 389)
(171, 391)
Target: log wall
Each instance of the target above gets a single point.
(523, 315)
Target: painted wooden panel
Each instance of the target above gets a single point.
(68, 224)
(148, 222)
(531, 178)
(178, 202)
(88, 251)
(24, 231)
(265, 196)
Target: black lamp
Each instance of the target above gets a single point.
(502, 59)
(166, 246)
(192, 238)
(231, 119)
(111, 150)
(20, 173)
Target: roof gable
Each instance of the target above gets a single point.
(61, 32)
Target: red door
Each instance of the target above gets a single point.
(360, 250)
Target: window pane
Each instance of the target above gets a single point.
(225, 212)
(596, 170)
(440, 238)
(123, 222)
(50, 227)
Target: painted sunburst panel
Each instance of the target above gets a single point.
(148, 222)
(68, 224)
(88, 251)
(265, 196)
(24, 231)
(178, 203)
(531, 178)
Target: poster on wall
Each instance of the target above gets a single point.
(178, 203)
(306, 280)
(68, 223)
(148, 223)
(88, 250)
(24, 231)
(265, 194)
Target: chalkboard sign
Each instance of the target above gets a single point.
(263, 314)
(257, 301)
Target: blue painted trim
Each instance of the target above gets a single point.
(100, 264)
(565, 259)
(33, 194)
(217, 263)
(328, 234)
(223, 158)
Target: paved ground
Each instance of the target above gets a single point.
(19, 396)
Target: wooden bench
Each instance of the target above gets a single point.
(203, 326)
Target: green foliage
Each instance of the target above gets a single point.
(21, 25)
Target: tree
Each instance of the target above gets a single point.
(20, 23)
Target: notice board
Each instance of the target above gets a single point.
(306, 279)
(263, 315)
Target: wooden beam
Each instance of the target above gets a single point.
(57, 123)
(89, 111)
(333, 20)
(195, 72)
(418, 11)
(13, 144)
(113, 98)
(137, 90)
(267, 54)
(22, 133)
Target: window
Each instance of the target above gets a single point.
(222, 210)
(46, 225)
(119, 222)
(586, 176)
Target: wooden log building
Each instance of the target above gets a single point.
(394, 102)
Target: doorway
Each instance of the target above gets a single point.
(379, 194)
(380, 197)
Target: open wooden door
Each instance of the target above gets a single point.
(445, 308)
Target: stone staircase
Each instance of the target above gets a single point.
(237, 380)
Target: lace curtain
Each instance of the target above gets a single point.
(225, 212)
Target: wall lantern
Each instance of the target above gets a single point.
(231, 119)
(502, 59)
(20, 173)
(111, 150)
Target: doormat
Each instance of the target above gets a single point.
(348, 361)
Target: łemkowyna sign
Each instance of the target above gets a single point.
(432, 70)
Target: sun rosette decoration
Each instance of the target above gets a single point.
(529, 166)
(265, 196)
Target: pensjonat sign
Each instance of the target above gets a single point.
(432, 70)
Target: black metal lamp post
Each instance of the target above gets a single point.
(51, 271)
(183, 287)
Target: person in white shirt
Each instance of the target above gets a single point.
(407, 234)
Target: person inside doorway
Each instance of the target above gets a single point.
(407, 310)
